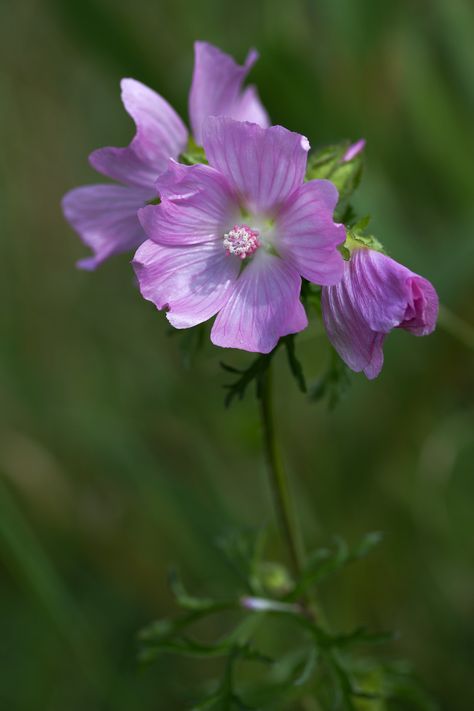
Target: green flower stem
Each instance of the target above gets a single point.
(278, 479)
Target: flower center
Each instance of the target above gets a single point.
(241, 240)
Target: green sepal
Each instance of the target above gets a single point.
(153, 201)
(323, 162)
(356, 238)
(329, 164)
(193, 154)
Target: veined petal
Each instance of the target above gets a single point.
(216, 89)
(307, 236)
(389, 294)
(375, 295)
(263, 306)
(357, 344)
(422, 311)
(192, 283)
(264, 165)
(179, 181)
(105, 217)
(160, 135)
(183, 181)
(250, 108)
(196, 206)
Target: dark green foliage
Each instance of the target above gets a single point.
(251, 374)
(332, 668)
(328, 164)
(295, 366)
(332, 385)
(255, 371)
(194, 154)
(326, 561)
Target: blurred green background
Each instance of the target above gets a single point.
(116, 461)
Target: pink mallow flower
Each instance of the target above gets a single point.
(375, 295)
(234, 238)
(105, 215)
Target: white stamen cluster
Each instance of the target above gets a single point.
(241, 240)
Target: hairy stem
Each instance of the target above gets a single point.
(278, 479)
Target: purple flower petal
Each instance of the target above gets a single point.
(250, 108)
(191, 282)
(358, 346)
(354, 150)
(390, 294)
(306, 235)
(105, 216)
(160, 135)
(183, 181)
(422, 309)
(375, 295)
(216, 89)
(265, 165)
(263, 307)
(196, 206)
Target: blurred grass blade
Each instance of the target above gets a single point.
(21, 551)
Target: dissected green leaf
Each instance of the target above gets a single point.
(252, 373)
(192, 648)
(308, 668)
(325, 562)
(403, 690)
(295, 365)
(257, 368)
(169, 635)
(187, 601)
(244, 550)
(361, 636)
(332, 385)
(226, 698)
(322, 665)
